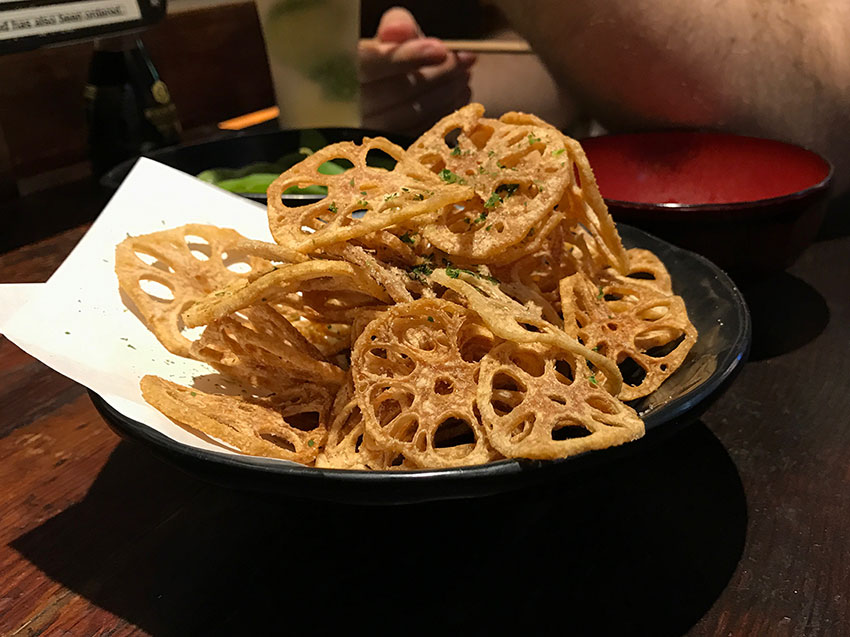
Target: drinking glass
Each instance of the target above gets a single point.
(312, 51)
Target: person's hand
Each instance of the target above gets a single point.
(408, 81)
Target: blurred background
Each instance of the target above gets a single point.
(212, 57)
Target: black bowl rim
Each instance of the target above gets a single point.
(668, 413)
(731, 206)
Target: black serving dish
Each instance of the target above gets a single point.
(241, 149)
(716, 307)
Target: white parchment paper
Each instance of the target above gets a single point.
(77, 324)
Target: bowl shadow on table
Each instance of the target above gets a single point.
(786, 312)
(644, 547)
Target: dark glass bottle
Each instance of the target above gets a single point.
(128, 107)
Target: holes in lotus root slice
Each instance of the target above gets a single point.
(569, 431)
(454, 434)
(148, 265)
(262, 428)
(380, 198)
(404, 408)
(536, 426)
(509, 162)
(444, 386)
(157, 290)
(648, 338)
(474, 341)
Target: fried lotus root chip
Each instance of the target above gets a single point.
(347, 445)
(289, 427)
(655, 334)
(510, 164)
(535, 277)
(582, 203)
(181, 266)
(646, 271)
(392, 279)
(261, 348)
(276, 284)
(416, 389)
(384, 197)
(514, 322)
(541, 402)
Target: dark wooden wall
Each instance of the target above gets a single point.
(213, 60)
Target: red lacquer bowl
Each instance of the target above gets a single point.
(745, 203)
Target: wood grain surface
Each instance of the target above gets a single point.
(738, 525)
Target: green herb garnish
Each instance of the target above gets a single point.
(430, 319)
(332, 208)
(456, 151)
(555, 153)
(408, 238)
(449, 177)
(592, 380)
(418, 271)
(493, 201)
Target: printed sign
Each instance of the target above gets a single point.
(29, 24)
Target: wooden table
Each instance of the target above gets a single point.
(738, 525)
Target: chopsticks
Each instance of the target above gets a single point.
(489, 46)
(485, 46)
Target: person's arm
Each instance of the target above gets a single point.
(777, 69)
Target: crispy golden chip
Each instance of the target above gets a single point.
(514, 168)
(261, 348)
(511, 321)
(331, 339)
(187, 263)
(415, 387)
(654, 333)
(645, 270)
(384, 197)
(582, 203)
(347, 446)
(289, 427)
(535, 278)
(389, 277)
(543, 402)
(274, 285)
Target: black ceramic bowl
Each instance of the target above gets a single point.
(746, 203)
(242, 149)
(716, 308)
